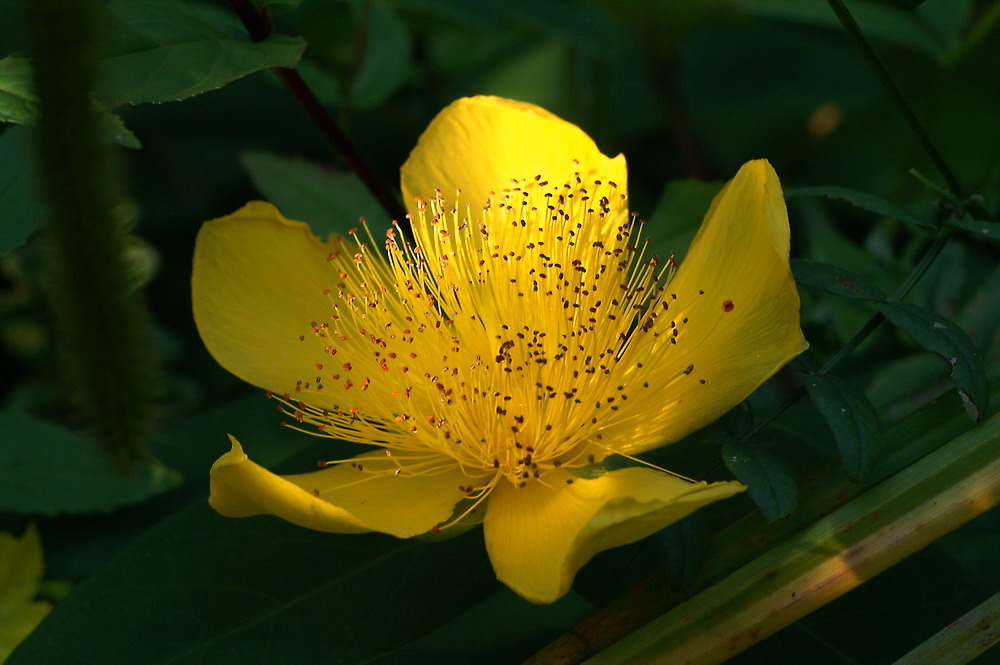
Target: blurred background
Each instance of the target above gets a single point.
(688, 91)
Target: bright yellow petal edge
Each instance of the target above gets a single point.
(736, 311)
(21, 569)
(480, 144)
(538, 537)
(338, 499)
(733, 322)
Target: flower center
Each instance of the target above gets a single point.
(501, 340)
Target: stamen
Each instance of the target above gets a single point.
(501, 341)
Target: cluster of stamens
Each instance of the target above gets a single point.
(507, 339)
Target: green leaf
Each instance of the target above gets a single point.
(165, 50)
(386, 62)
(48, 470)
(328, 201)
(114, 128)
(862, 200)
(936, 333)
(20, 209)
(977, 228)
(18, 102)
(201, 588)
(768, 478)
(837, 281)
(679, 214)
(853, 421)
(687, 543)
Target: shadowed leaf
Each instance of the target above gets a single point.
(165, 50)
(768, 478)
(837, 281)
(936, 333)
(853, 421)
(200, 588)
(48, 470)
(862, 200)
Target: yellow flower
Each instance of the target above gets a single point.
(527, 332)
(20, 572)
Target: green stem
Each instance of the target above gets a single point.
(876, 530)
(962, 640)
(100, 324)
(260, 29)
(847, 20)
(932, 252)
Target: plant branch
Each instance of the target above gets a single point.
(100, 323)
(847, 20)
(260, 29)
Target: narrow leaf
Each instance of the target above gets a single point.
(977, 228)
(769, 479)
(868, 202)
(853, 421)
(936, 333)
(48, 470)
(837, 281)
(165, 50)
(200, 588)
(328, 201)
(962, 640)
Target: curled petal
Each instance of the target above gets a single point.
(338, 499)
(539, 536)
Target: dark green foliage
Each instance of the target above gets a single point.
(687, 91)
(936, 333)
(258, 590)
(853, 420)
(769, 479)
(48, 470)
(837, 281)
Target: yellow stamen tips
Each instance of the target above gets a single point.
(501, 341)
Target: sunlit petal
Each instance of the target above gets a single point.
(342, 498)
(481, 144)
(730, 318)
(539, 536)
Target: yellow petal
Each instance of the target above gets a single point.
(338, 499)
(256, 289)
(539, 536)
(480, 144)
(20, 573)
(736, 313)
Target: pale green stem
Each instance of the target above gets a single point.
(962, 640)
(901, 515)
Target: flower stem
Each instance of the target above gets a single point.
(260, 29)
(100, 322)
(852, 28)
(894, 519)
(962, 640)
